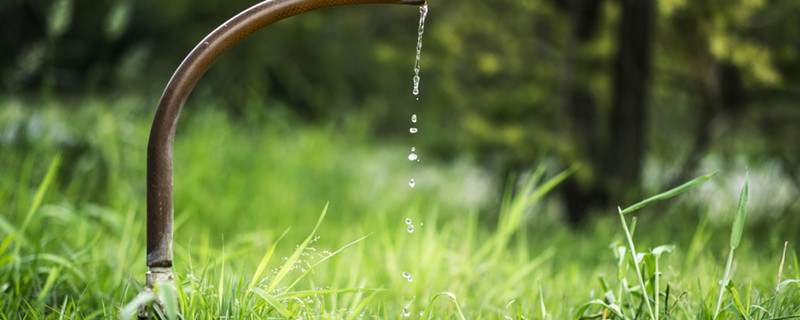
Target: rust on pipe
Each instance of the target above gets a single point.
(162, 133)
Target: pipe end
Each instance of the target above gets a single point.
(414, 2)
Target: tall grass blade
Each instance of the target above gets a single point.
(513, 208)
(48, 285)
(323, 260)
(37, 199)
(264, 260)
(287, 266)
(671, 193)
(541, 302)
(735, 294)
(356, 312)
(632, 250)
(738, 222)
(273, 302)
(429, 307)
(736, 236)
(222, 274)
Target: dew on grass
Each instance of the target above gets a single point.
(406, 313)
(410, 228)
(413, 130)
(414, 118)
(406, 274)
(412, 156)
(408, 221)
(411, 183)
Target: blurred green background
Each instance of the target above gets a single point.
(643, 94)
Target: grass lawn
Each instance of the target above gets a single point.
(251, 242)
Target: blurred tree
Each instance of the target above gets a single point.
(508, 81)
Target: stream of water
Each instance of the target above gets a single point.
(423, 12)
(413, 129)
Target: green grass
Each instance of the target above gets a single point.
(275, 219)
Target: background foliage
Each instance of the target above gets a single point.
(315, 108)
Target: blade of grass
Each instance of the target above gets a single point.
(37, 199)
(632, 250)
(222, 273)
(287, 266)
(741, 213)
(541, 302)
(736, 236)
(670, 193)
(323, 260)
(307, 293)
(264, 260)
(777, 285)
(656, 255)
(429, 307)
(273, 302)
(735, 294)
(355, 312)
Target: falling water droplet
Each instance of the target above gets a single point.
(410, 228)
(406, 313)
(414, 118)
(412, 130)
(412, 156)
(412, 183)
(408, 221)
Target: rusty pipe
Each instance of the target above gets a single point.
(162, 133)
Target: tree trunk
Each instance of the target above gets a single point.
(628, 114)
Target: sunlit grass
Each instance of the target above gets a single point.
(251, 242)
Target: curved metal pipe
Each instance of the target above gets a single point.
(162, 134)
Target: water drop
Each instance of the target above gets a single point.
(410, 278)
(412, 156)
(411, 184)
(413, 149)
(421, 313)
(414, 118)
(412, 130)
(406, 313)
(410, 228)
(408, 221)
(406, 274)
